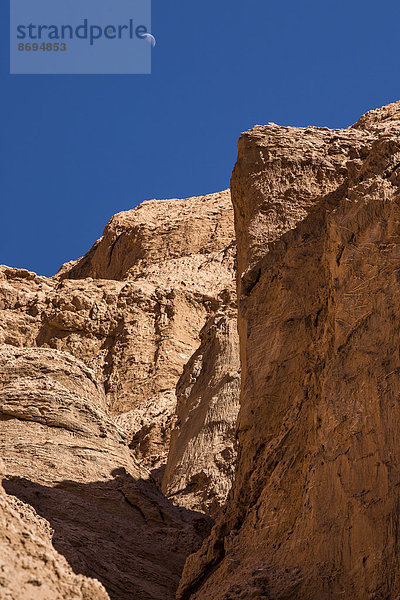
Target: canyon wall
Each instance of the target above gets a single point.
(132, 308)
(314, 510)
(202, 456)
(64, 457)
(89, 362)
(123, 373)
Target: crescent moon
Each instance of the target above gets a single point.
(150, 38)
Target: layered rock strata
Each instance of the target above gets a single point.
(132, 308)
(65, 458)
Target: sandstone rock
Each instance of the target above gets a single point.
(30, 568)
(67, 459)
(132, 310)
(313, 513)
(202, 455)
(164, 268)
(154, 239)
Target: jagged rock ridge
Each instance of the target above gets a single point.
(313, 513)
(65, 425)
(133, 307)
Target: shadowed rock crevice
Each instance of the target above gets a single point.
(109, 531)
(30, 566)
(65, 457)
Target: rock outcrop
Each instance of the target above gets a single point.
(89, 362)
(314, 511)
(202, 455)
(155, 241)
(30, 568)
(132, 308)
(65, 458)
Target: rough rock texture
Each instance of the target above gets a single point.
(314, 511)
(132, 309)
(66, 458)
(30, 568)
(202, 455)
(154, 241)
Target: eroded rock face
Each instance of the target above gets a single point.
(202, 455)
(313, 513)
(132, 309)
(30, 567)
(154, 241)
(68, 460)
(89, 362)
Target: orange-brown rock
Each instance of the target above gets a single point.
(314, 510)
(156, 239)
(30, 568)
(132, 309)
(65, 458)
(202, 455)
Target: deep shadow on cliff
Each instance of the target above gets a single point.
(103, 532)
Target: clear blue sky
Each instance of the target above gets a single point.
(77, 149)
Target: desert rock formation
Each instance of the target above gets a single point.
(314, 510)
(202, 454)
(30, 567)
(89, 362)
(155, 240)
(64, 457)
(132, 308)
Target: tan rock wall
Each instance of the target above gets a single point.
(202, 455)
(165, 266)
(65, 458)
(314, 509)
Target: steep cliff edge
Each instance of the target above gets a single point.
(314, 511)
(132, 308)
(202, 456)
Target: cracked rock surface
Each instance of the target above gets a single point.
(314, 510)
(65, 458)
(132, 308)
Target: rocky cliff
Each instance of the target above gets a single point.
(89, 362)
(132, 352)
(314, 510)
(202, 454)
(64, 457)
(132, 308)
